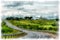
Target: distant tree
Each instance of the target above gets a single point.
(28, 17)
(17, 18)
(57, 19)
(20, 18)
(8, 18)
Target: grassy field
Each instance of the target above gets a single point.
(7, 30)
(11, 33)
(39, 24)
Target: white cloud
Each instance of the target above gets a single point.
(36, 9)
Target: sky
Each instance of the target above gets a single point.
(30, 8)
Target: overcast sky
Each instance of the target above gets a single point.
(32, 8)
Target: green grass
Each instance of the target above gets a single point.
(49, 25)
(7, 30)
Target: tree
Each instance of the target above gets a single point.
(10, 18)
(28, 17)
(17, 18)
(57, 19)
(20, 18)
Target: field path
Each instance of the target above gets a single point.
(30, 34)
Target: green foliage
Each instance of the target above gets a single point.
(39, 24)
(50, 28)
(6, 29)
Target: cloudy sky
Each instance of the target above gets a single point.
(30, 8)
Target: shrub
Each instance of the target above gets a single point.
(50, 28)
(6, 29)
(55, 29)
(44, 28)
(40, 28)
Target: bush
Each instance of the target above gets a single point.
(50, 28)
(44, 28)
(54, 24)
(6, 29)
(55, 29)
(40, 28)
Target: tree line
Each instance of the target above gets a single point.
(30, 18)
(17, 18)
